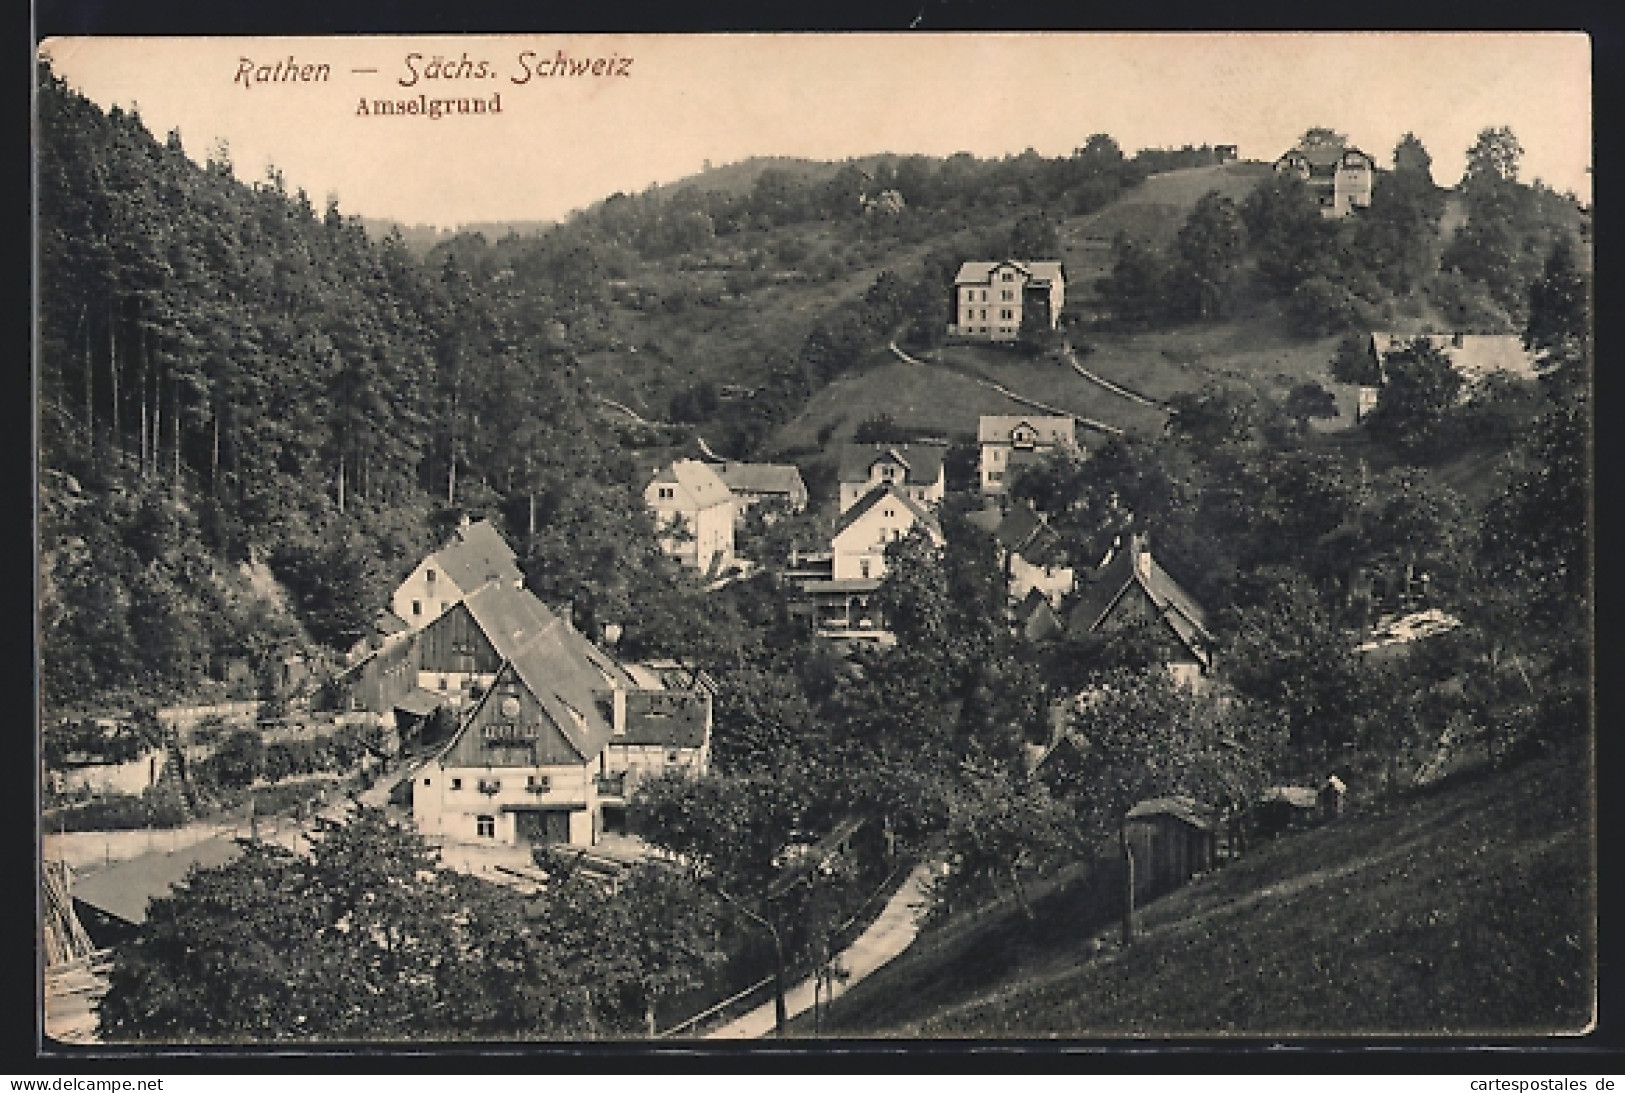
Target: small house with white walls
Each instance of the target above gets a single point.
(883, 516)
(476, 555)
(1005, 437)
(694, 514)
(993, 299)
(916, 470)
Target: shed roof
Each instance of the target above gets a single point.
(124, 890)
(780, 478)
(922, 463)
(669, 719)
(1185, 809)
(478, 554)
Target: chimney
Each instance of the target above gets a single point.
(463, 522)
(1140, 548)
(618, 708)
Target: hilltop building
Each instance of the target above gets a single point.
(1475, 356)
(1340, 178)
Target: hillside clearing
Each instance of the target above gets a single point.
(1466, 910)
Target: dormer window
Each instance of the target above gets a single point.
(1007, 276)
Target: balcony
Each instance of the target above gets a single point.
(611, 785)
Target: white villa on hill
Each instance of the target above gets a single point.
(1008, 439)
(991, 298)
(1340, 178)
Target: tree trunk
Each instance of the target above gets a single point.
(112, 364)
(1128, 890)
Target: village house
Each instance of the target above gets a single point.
(1029, 550)
(777, 487)
(883, 516)
(694, 513)
(476, 555)
(1340, 178)
(1129, 588)
(560, 731)
(1009, 440)
(915, 469)
(1475, 356)
(993, 299)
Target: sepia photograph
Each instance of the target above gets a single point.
(691, 540)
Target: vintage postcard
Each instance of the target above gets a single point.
(688, 539)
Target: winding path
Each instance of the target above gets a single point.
(892, 932)
(1000, 388)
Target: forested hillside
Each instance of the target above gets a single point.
(229, 376)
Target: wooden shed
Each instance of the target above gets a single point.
(1172, 839)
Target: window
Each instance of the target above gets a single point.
(429, 575)
(890, 512)
(442, 683)
(1007, 295)
(425, 781)
(1005, 276)
(667, 493)
(417, 607)
(671, 757)
(863, 567)
(456, 783)
(485, 827)
(1006, 313)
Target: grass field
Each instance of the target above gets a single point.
(1467, 909)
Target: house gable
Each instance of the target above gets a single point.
(511, 727)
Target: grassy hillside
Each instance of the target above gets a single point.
(1465, 909)
(1151, 213)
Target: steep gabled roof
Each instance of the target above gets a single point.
(922, 463)
(888, 491)
(703, 487)
(1019, 527)
(478, 554)
(1124, 569)
(783, 478)
(124, 890)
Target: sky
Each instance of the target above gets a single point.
(661, 106)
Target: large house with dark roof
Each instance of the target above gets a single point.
(557, 729)
(694, 512)
(915, 469)
(476, 555)
(1129, 588)
(992, 299)
(1340, 178)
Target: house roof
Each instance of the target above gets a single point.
(1019, 527)
(980, 273)
(922, 463)
(1475, 355)
(478, 554)
(124, 890)
(868, 501)
(1324, 155)
(668, 719)
(783, 478)
(1051, 429)
(418, 702)
(564, 670)
(1185, 809)
(704, 487)
(988, 519)
(1037, 619)
(1118, 573)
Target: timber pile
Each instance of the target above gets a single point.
(72, 990)
(65, 938)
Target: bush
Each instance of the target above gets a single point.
(161, 806)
